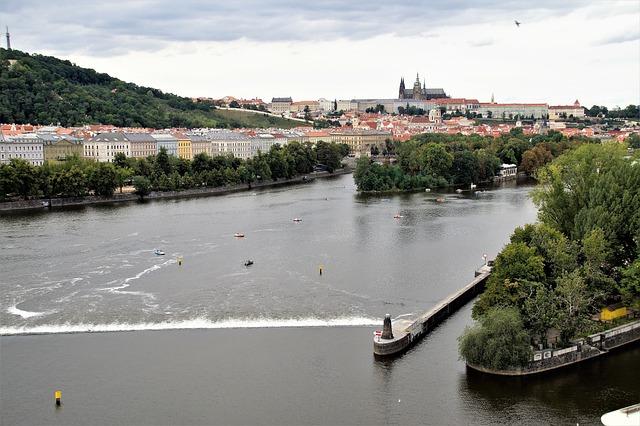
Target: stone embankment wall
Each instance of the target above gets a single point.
(592, 346)
(38, 204)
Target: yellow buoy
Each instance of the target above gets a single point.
(58, 396)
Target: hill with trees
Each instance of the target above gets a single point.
(37, 89)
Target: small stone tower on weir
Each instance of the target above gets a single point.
(387, 332)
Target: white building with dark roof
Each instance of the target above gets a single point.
(27, 146)
(280, 105)
(104, 146)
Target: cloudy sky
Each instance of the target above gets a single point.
(585, 49)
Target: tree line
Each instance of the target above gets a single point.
(435, 160)
(77, 177)
(555, 275)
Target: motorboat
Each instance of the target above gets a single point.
(398, 216)
(297, 219)
(458, 190)
(248, 262)
(158, 252)
(440, 200)
(238, 235)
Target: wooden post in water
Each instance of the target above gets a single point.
(58, 397)
(320, 269)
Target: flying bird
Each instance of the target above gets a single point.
(517, 23)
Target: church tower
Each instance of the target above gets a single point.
(417, 89)
(401, 91)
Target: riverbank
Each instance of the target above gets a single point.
(595, 345)
(53, 203)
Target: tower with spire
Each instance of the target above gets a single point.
(419, 90)
(8, 39)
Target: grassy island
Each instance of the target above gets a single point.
(436, 160)
(551, 282)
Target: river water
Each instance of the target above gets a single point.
(214, 342)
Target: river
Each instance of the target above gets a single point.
(211, 341)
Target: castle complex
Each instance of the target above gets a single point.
(419, 92)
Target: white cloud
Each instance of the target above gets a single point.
(362, 50)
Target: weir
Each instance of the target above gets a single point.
(401, 334)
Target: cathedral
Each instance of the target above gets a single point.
(419, 92)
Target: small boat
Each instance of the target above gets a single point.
(458, 190)
(248, 262)
(427, 190)
(398, 216)
(238, 235)
(440, 200)
(158, 252)
(297, 219)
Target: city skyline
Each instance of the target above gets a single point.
(348, 51)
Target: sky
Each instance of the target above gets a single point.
(563, 50)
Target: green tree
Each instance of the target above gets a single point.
(25, 177)
(539, 311)
(122, 176)
(328, 155)
(498, 342)
(142, 186)
(573, 302)
(69, 183)
(435, 160)
(120, 160)
(102, 179)
(629, 285)
(515, 267)
(163, 162)
(464, 168)
(8, 180)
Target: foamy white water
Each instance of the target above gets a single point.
(193, 324)
(25, 314)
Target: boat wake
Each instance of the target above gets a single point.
(192, 324)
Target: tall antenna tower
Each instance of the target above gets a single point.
(8, 39)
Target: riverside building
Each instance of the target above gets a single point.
(104, 147)
(27, 146)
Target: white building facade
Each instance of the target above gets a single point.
(28, 146)
(104, 147)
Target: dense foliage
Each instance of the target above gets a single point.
(630, 112)
(498, 342)
(431, 160)
(77, 177)
(582, 255)
(42, 90)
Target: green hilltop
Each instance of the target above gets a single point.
(39, 89)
